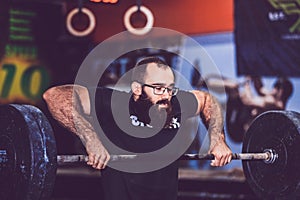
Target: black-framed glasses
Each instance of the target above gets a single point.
(159, 90)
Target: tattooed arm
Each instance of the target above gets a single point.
(211, 114)
(70, 106)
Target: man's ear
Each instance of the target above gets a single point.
(136, 88)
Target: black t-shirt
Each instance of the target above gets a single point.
(121, 126)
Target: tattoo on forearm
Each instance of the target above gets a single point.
(67, 110)
(212, 117)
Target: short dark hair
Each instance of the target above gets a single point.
(139, 69)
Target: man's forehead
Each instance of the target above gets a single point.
(154, 68)
(159, 75)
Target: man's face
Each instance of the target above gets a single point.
(156, 76)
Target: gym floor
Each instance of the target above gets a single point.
(84, 183)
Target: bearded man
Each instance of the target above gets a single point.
(143, 120)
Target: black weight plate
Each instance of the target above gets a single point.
(279, 131)
(26, 154)
(50, 152)
(7, 164)
(15, 173)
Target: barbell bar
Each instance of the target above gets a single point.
(269, 156)
(28, 157)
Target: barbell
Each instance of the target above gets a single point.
(28, 156)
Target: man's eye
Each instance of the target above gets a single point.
(159, 88)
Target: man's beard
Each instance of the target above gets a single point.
(152, 114)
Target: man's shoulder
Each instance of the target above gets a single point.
(184, 96)
(107, 90)
(185, 103)
(107, 95)
(104, 98)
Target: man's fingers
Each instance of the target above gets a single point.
(91, 159)
(103, 160)
(98, 156)
(107, 160)
(100, 162)
(229, 158)
(221, 160)
(216, 161)
(97, 163)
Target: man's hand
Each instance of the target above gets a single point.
(98, 155)
(222, 153)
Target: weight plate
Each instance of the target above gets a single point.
(7, 164)
(15, 173)
(278, 131)
(24, 174)
(50, 152)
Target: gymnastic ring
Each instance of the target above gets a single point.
(85, 32)
(138, 31)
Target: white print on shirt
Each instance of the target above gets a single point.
(135, 122)
(174, 123)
